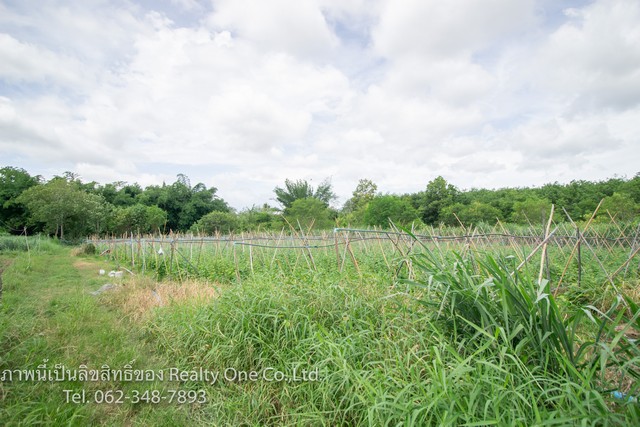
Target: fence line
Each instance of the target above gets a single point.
(604, 243)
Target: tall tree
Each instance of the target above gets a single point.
(438, 195)
(13, 182)
(301, 189)
(354, 208)
(365, 192)
(63, 209)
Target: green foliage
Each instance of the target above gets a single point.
(183, 204)
(301, 189)
(138, 219)
(438, 195)
(632, 188)
(217, 222)
(31, 243)
(63, 209)
(383, 209)
(532, 210)
(482, 301)
(309, 212)
(365, 191)
(474, 213)
(260, 219)
(13, 182)
(354, 208)
(220, 270)
(90, 208)
(620, 206)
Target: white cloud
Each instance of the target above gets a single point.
(593, 60)
(436, 28)
(243, 94)
(298, 28)
(24, 62)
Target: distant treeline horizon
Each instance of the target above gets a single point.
(67, 208)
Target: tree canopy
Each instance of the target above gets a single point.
(301, 189)
(68, 208)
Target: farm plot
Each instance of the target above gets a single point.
(490, 325)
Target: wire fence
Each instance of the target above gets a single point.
(564, 251)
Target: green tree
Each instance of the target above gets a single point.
(183, 204)
(138, 219)
(216, 222)
(438, 195)
(382, 209)
(13, 182)
(354, 208)
(156, 219)
(532, 210)
(632, 188)
(301, 189)
(63, 209)
(202, 201)
(474, 213)
(259, 218)
(309, 212)
(620, 206)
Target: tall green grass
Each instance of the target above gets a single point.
(467, 341)
(22, 243)
(466, 344)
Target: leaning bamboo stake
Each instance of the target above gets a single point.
(537, 248)
(544, 246)
(633, 254)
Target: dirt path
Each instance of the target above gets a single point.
(48, 316)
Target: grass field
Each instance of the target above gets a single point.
(328, 337)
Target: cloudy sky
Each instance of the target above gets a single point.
(241, 94)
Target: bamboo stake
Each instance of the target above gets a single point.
(544, 246)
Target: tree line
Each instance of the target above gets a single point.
(68, 208)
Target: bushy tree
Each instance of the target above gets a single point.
(183, 204)
(632, 188)
(382, 209)
(309, 212)
(138, 219)
(532, 210)
(260, 218)
(438, 195)
(63, 209)
(620, 206)
(301, 189)
(202, 201)
(13, 182)
(473, 213)
(216, 222)
(354, 208)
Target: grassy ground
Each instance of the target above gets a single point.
(48, 316)
(466, 343)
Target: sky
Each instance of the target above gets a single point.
(243, 94)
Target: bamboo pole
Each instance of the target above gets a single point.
(543, 258)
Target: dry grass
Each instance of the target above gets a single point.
(84, 265)
(138, 296)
